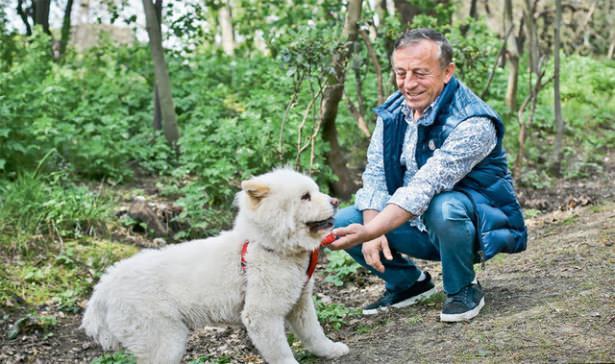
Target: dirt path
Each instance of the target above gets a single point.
(554, 302)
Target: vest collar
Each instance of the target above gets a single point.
(440, 103)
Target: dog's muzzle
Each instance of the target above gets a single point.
(316, 226)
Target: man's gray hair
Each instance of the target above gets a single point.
(416, 35)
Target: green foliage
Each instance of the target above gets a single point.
(32, 322)
(51, 206)
(223, 359)
(340, 267)
(119, 357)
(94, 110)
(62, 275)
(334, 315)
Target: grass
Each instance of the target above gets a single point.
(36, 211)
(63, 275)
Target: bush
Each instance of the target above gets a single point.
(52, 207)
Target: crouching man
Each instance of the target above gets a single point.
(436, 185)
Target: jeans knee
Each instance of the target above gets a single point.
(446, 210)
(346, 216)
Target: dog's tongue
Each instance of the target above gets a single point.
(330, 238)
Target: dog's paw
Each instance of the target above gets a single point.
(334, 350)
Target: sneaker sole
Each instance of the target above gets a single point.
(465, 316)
(401, 304)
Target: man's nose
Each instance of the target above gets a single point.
(410, 80)
(334, 202)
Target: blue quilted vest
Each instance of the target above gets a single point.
(498, 217)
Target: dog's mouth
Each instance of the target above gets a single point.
(316, 226)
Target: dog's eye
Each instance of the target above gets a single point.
(306, 196)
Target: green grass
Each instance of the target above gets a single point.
(61, 277)
(36, 211)
(119, 357)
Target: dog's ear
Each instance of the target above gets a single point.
(256, 190)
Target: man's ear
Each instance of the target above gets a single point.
(256, 190)
(448, 72)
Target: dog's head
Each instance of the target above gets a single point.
(288, 207)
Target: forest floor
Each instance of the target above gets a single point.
(554, 302)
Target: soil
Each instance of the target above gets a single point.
(554, 302)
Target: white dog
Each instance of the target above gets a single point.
(149, 302)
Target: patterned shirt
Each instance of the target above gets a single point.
(466, 146)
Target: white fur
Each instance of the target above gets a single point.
(149, 302)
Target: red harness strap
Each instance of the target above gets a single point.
(244, 250)
(313, 256)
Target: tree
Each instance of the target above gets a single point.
(557, 101)
(225, 19)
(512, 55)
(536, 62)
(66, 24)
(41, 13)
(161, 73)
(334, 89)
(38, 11)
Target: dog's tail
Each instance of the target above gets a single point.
(95, 323)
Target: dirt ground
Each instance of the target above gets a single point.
(553, 303)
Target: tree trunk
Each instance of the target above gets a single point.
(377, 69)
(531, 37)
(226, 27)
(611, 26)
(334, 89)
(557, 102)
(407, 11)
(512, 55)
(66, 25)
(157, 119)
(23, 14)
(41, 14)
(473, 15)
(161, 73)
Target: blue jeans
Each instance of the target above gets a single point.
(451, 238)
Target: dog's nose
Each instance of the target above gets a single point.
(335, 202)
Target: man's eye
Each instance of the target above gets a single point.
(306, 196)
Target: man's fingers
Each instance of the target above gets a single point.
(372, 257)
(377, 264)
(386, 250)
(350, 229)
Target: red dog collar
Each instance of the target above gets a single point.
(330, 238)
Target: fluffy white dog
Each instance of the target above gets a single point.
(149, 302)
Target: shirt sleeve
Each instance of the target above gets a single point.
(374, 194)
(467, 145)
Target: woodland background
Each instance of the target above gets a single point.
(126, 124)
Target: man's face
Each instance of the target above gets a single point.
(418, 74)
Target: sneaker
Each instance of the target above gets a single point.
(463, 305)
(418, 291)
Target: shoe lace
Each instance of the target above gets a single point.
(463, 296)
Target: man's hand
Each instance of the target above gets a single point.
(348, 237)
(371, 252)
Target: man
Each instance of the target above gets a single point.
(436, 185)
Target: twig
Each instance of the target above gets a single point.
(374, 58)
(357, 115)
(300, 148)
(497, 60)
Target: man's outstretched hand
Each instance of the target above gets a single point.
(348, 236)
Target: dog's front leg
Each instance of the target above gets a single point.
(266, 330)
(304, 323)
